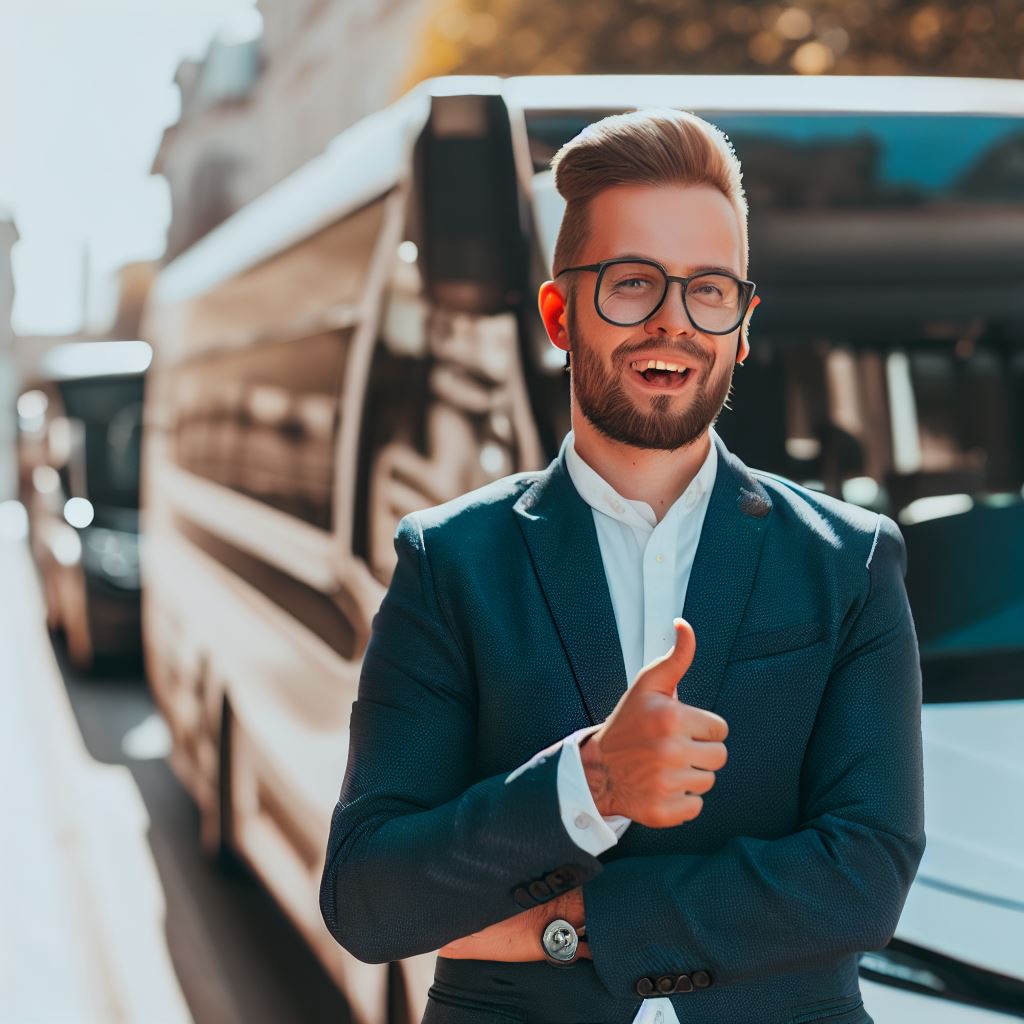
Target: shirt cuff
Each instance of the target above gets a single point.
(586, 826)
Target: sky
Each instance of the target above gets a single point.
(87, 88)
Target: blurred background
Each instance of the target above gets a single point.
(267, 283)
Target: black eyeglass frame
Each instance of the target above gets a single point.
(747, 289)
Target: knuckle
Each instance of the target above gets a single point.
(665, 784)
(693, 805)
(708, 725)
(660, 818)
(709, 756)
(660, 787)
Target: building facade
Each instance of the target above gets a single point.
(264, 101)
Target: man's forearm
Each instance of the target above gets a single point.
(517, 939)
(420, 851)
(755, 908)
(399, 881)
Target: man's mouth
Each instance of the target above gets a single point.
(661, 374)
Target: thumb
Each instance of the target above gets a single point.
(663, 674)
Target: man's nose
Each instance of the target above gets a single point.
(671, 317)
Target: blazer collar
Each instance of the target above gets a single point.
(559, 530)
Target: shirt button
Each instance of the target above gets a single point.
(582, 821)
(659, 558)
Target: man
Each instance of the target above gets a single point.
(636, 869)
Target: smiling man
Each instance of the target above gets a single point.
(625, 612)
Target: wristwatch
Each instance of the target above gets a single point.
(560, 942)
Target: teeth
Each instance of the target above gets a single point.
(656, 364)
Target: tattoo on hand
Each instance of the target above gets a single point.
(599, 780)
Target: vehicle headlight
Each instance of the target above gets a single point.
(112, 555)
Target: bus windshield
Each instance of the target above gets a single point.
(887, 367)
(110, 409)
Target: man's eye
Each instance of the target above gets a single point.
(632, 283)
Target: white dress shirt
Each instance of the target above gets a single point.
(647, 565)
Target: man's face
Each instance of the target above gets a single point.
(682, 228)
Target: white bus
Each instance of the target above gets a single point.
(363, 341)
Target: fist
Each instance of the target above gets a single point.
(654, 756)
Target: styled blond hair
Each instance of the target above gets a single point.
(650, 146)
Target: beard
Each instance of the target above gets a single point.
(651, 423)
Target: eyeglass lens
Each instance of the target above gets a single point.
(630, 292)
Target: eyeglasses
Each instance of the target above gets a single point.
(630, 291)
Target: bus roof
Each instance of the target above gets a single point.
(776, 93)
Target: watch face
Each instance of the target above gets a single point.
(560, 941)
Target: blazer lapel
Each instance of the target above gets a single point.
(558, 526)
(559, 529)
(723, 572)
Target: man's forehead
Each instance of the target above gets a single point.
(671, 265)
(685, 228)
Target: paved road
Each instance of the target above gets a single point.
(235, 955)
(112, 913)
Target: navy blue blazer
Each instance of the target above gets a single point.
(497, 637)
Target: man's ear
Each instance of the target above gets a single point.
(551, 303)
(741, 355)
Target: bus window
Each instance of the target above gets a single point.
(262, 421)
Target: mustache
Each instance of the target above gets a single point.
(624, 353)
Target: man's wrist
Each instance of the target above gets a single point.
(570, 906)
(596, 772)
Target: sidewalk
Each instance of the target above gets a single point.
(82, 938)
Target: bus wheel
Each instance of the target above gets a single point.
(398, 1001)
(220, 837)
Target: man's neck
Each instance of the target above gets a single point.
(640, 474)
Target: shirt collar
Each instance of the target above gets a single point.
(601, 496)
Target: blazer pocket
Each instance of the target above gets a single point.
(777, 641)
(843, 1010)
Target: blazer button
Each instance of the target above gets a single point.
(556, 879)
(573, 874)
(523, 898)
(540, 891)
(666, 983)
(644, 987)
(683, 983)
(701, 979)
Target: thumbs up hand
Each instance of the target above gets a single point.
(654, 756)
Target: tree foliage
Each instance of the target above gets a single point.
(845, 37)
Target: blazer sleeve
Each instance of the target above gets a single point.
(420, 850)
(756, 908)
